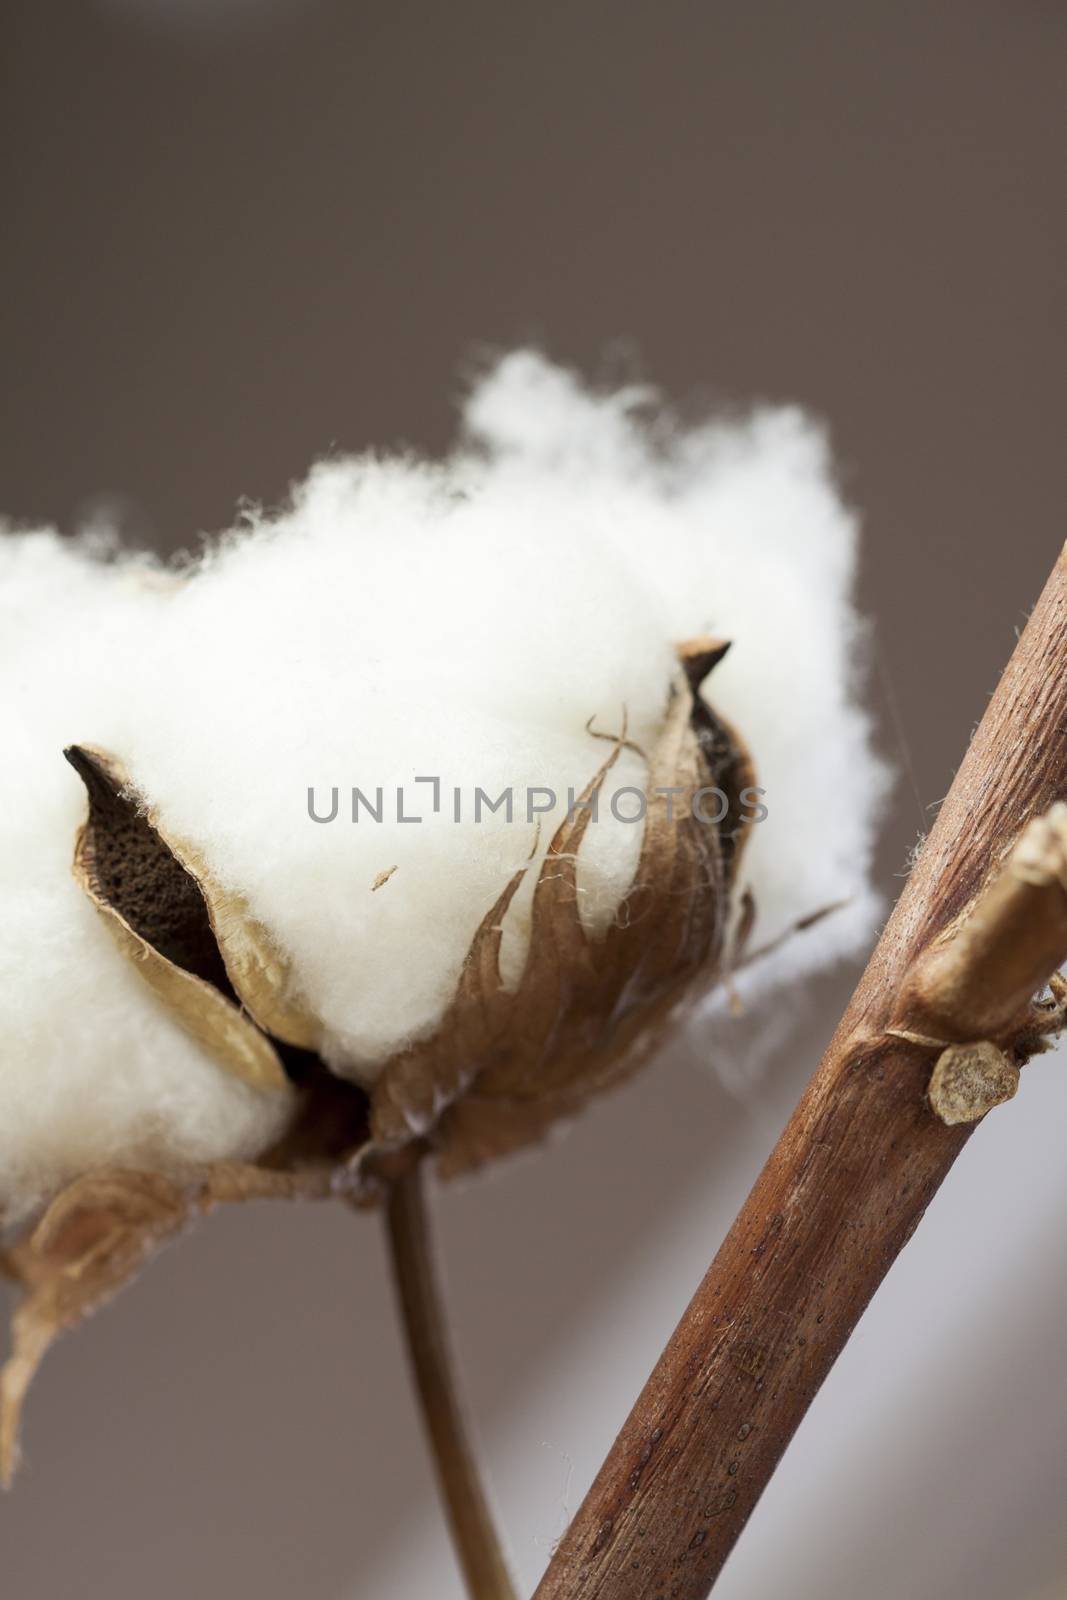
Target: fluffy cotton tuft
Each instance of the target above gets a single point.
(471, 620)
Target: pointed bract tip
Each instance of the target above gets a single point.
(699, 656)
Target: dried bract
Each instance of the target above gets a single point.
(505, 1063)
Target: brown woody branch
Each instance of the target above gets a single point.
(965, 951)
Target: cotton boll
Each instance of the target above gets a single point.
(494, 621)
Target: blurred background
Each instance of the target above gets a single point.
(239, 232)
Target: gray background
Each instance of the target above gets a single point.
(236, 233)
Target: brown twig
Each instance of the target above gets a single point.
(472, 1528)
(978, 979)
(854, 1170)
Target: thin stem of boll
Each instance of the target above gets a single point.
(471, 1524)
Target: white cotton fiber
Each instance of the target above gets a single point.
(471, 620)
(92, 1069)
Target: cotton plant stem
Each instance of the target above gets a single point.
(855, 1169)
(468, 1514)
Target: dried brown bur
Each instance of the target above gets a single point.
(501, 1066)
(504, 1064)
(970, 1079)
(195, 945)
